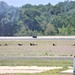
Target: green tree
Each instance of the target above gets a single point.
(50, 30)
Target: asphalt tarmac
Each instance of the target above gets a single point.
(39, 38)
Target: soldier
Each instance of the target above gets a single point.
(74, 66)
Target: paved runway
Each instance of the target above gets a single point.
(39, 38)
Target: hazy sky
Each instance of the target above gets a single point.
(19, 3)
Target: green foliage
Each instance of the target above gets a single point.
(37, 20)
(50, 30)
(69, 30)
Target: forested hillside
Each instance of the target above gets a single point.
(38, 20)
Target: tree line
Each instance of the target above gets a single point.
(39, 20)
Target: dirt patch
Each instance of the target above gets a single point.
(25, 69)
(67, 71)
(70, 70)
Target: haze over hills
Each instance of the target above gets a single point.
(37, 20)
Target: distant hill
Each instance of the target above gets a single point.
(3, 5)
(30, 20)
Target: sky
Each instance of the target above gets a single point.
(18, 3)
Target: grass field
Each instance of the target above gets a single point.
(41, 48)
(36, 62)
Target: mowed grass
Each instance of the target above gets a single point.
(36, 62)
(42, 48)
